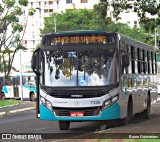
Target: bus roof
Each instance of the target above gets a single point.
(136, 43)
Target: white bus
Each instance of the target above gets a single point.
(13, 90)
(94, 76)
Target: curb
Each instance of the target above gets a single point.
(10, 105)
(16, 111)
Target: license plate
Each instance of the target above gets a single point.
(76, 114)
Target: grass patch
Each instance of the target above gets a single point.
(8, 102)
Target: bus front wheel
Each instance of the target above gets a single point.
(64, 125)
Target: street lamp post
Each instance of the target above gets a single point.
(55, 26)
(155, 37)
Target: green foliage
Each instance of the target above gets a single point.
(31, 11)
(1, 9)
(118, 7)
(18, 10)
(17, 27)
(135, 33)
(73, 19)
(23, 2)
(143, 9)
(9, 3)
(10, 18)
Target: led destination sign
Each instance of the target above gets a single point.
(81, 39)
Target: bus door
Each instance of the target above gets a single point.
(16, 86)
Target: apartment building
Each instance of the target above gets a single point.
(45, 8)
(36, 22)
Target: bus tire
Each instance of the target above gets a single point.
(64, 125)
(146, 113)
(126, 120)
(32, 96)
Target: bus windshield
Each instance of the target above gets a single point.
(81, 68)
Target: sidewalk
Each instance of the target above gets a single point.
(23, 106)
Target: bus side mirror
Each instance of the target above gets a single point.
(125, 60)
(35, 63)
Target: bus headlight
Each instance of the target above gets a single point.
(42, 100)
(48, 105)
(110, 101)
(107, 103)
(115, 99)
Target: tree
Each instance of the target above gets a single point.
(135, 33)
(109, 10)
(11, 34)
(72, 19)
(149, 13)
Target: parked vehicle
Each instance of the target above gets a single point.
(12, 88)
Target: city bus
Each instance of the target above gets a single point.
(93, 76)
(12, 89)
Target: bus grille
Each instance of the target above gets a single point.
(87, 111)
(77, 95)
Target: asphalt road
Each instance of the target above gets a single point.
(26, 122)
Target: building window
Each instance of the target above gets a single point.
(24, 12)
(39, 3)
(68, 1)
(135, 24)
(39, 11)
(50, 2)
(25, 42)
(57, 4)
(31, 4)
(84, 1)
(50, 10)
(45, 10)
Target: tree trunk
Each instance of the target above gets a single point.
(1, 86)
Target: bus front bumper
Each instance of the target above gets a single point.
(110, 113)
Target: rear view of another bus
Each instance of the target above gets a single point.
(29, 86)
